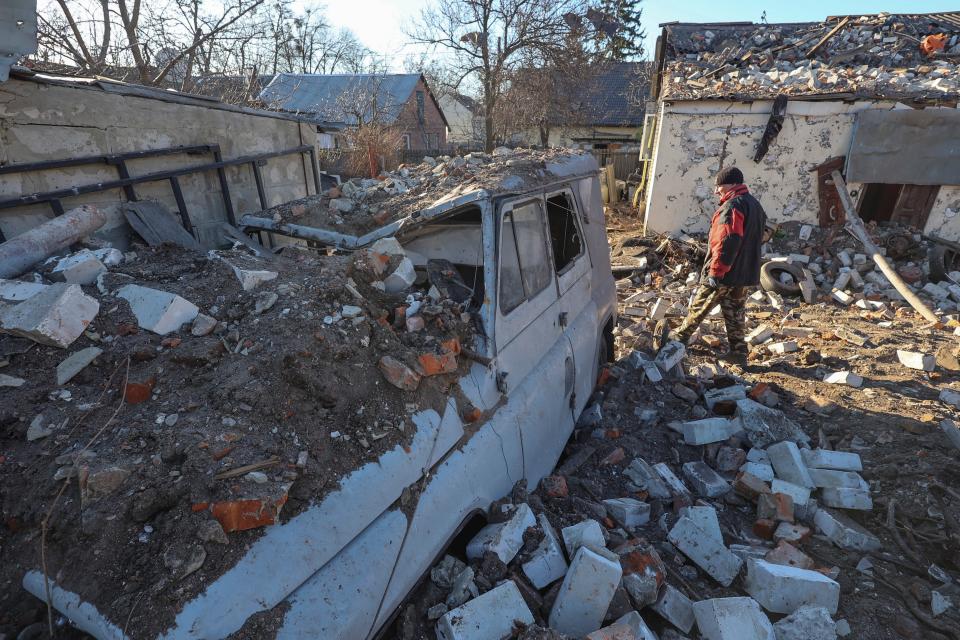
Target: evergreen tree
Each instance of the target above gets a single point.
(621, 36)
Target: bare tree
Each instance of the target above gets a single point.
(489, 39)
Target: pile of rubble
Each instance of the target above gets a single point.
(195, 398)
(876, 55)
(700, 498)
(361, 204)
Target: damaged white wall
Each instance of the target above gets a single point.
(695, 136)
(40, 121)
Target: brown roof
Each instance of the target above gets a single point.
(864, 56)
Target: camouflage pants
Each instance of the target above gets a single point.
(732, 301)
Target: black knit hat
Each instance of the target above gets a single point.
(730, 175)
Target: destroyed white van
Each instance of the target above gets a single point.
(534, 250)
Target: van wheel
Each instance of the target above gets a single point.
(770, 278)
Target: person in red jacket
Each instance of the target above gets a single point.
(732, 265)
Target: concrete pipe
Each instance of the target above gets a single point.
(18, 254)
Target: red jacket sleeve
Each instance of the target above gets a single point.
(726, 237)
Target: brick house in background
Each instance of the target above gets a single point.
(339, 101)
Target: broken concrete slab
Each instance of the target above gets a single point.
(75, 363)
(11, 381)
(704, 480)
(402, 277)
(55, 317)
(706, 519)
(759, 470)
(585, 593)
(250, 279)
(708, 430)
(158, 311)
(807, 623)
(725, 394)
(952, 431)
(732, 619)
(674, 484)
(950, 397)
(848, 378)
(670, 356)
(82, 267)
(587, 533)
(789, 466)
(784, 589)
(628, 511)
(827, 459)
(831, 478)
(18, 290)
(504, 539)
(844, 532)
(492, 615)
(759, 335)
(674, 607)
(546, 563)
(716, 560)
(765, 426)
(634, 627)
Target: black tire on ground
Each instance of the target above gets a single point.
(770, 278)
(942, 260)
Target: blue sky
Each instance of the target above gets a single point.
(379, 23)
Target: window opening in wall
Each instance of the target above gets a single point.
(564, 234)
(405, 141)
(524, 263)
(907, 204)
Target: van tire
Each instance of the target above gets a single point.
(942, 261)
(770, 278)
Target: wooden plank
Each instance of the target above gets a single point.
(815, 48)
(232, 234)
(156, 225)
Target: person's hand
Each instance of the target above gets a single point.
(711, 282)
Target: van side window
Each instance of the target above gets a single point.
(524, 263)
(564, 235)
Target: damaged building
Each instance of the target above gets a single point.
(873, 95)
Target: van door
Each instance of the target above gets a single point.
(532, 353)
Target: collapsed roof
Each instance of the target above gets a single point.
(895, 56)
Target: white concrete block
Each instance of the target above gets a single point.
(720, 563)
(634, 626)
(731, 394)
(842, 297)
(848, 378)
(646, 478)
(781, 348)
(585, 594)
(488, 617)
(800, 495)
(81, 267)
(936, 291)
(831, 478)
(732, 619)
(56, 316)
(951, 397)
(707, 430)
(952, 431)
(760, 470)
(789, 466)
(807, 623)
(759, 335)
(109, 256)
(503, 538)
(827, 459)
(250, 279)
(674, 484)
(158, 311)
(675, 608)
(704, 480)
(670, 356)
(805, 231)
(583, 534)
(546, 563)
(706, 519)
(844, 532)
(847, 498)
(18, 290)
(784, 589)
(659, 309)
(917, 360)
(628, 511)
(402, 277)
(756, 454)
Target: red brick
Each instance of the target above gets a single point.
(554, 486)
(775, 506)
(398, 374)
(240, 515)
(432, 364)
(614, 457)
(638, 556)
(764, 528)
(137, 392)
(788, 555)
(749, 485)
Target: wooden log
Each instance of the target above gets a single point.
(855, 226)
(840, 25)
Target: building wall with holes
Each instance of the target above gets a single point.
(51, 120)
(695, 138)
